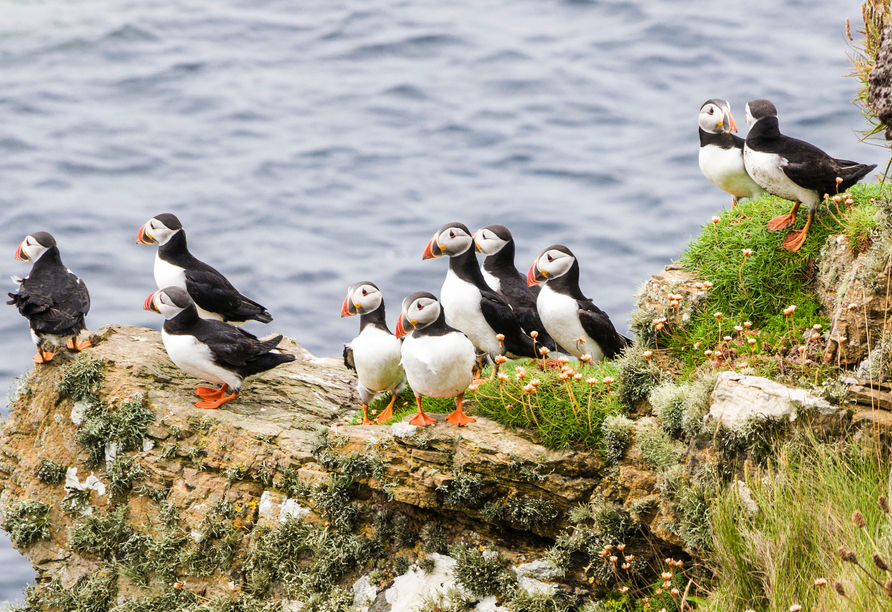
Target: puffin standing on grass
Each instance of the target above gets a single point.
(721, 152)
(497, 243)
(375, 352)
(471, 306)
(572, 319)
(52, 298)
(214, 296)
(438, 359)
(793, 169)
(211, 350)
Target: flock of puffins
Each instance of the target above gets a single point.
(484, 314)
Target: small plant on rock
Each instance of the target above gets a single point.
(27, 522)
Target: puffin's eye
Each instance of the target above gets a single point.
(710, 111)
(451, 234)
(550, 258)
(364, 292)
(418, 306)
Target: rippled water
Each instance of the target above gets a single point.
(309, 145)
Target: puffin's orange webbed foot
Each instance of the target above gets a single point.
(781, 222)
(794, 240)
(365, 415)
(78, 346)
(421, 420)
(210, 393)
(42, 356)
(459, 418)
(387, 413)
(211, 404)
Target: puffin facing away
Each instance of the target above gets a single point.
(721, 152)
(214, 296)
(793, 169)
(211, 350)
(572, 319)
(438, 359)
(51, 297)
(375, 352)
(471, 306)
(497, 243)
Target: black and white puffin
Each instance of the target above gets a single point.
(211, 350)
(52, 298)
(500, 273)
(214, 296)
(439, 360)
(471, 306)
(721, 152)
(572, 319)
(375, 352)
(793, 169)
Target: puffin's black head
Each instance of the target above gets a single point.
(34, 246)
(554, 261)
(362, 298)
(452, 239)
(759, 109)
(158, 229)
(716, 118)
(491, 239)
(419, 310)
(168, 302)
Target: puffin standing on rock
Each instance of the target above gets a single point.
(52, 298)
(211, 350)
(375, 352)
(793, 169)
(438, 359)
(497, 243)
(572, 319)
(721, 152)
(214, 296)
(471, 306)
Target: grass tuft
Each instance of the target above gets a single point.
(51, 472)
(82, 379)
(27, 522)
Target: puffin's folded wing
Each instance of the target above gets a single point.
(501, 318)
(598, 326)
(349, 361)
(211, 291)
(235, 346)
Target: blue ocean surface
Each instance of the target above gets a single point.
(309, 145)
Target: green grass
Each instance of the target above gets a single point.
(757, 288)
(770, 559)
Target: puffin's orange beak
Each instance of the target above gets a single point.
(432, 249)
(346, 310)
(142, 236)
(149, 304)
(731, 123)
(531, 276)
(20, 253)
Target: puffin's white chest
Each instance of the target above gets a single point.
(461, 304)
(196, 359)
(377, 357)
(767, 170)
(560, 317)
(168, 275)
(439, 366)
(725, 169)
(491, 280)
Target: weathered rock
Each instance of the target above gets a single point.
(737, 399)
(880, 81)
(409, 590)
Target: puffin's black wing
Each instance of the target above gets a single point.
(232, 346)
(349, 362)
(502, 320)
(597, 325)
(211, 291)
(53, 305)
(811, 168)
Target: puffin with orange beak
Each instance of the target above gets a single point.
(721, 152)
(439, 360)
(375, 352)
(53, 299)
(572, 319)
(211, 350)
(471, 306)
(214, 296)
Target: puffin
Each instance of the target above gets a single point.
(53, 299)
(721, 152)
(214, 296)
(572, 319)
(439, 360)
(470, 304)
(211, 350)
(375, 352)
(497, 243)
(793, 169)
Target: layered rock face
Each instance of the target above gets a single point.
(124, 475)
